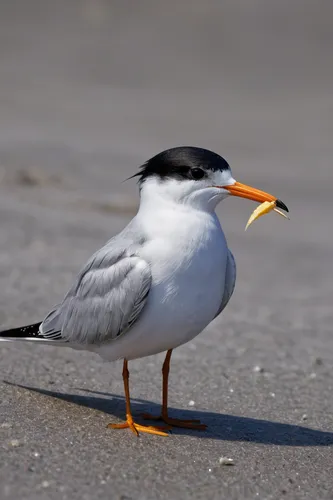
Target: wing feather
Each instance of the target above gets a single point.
(230, 281)
(105, 300)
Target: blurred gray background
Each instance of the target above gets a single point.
(91, 89)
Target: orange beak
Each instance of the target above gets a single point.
(244, 191)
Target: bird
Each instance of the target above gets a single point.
(158, 283)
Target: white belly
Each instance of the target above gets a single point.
(187, 290)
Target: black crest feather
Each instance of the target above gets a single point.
(178, 163)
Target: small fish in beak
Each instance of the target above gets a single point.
(263, 209)
(270, 202)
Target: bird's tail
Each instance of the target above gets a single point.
(29, 333)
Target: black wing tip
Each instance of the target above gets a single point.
(28, 331)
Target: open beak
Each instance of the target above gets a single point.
(244, 191)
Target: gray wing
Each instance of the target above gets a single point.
(106, 298)
(230, 280)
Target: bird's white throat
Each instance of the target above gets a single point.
(176, 194)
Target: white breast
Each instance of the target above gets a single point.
(187, 252)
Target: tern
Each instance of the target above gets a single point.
(158, 283)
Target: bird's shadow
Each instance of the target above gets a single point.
(220, 426)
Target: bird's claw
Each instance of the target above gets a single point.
(135, 428)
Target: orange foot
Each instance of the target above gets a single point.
(177, 422)
(150, 429)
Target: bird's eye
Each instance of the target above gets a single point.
(197, 173)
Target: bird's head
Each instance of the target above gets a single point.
(196, 177)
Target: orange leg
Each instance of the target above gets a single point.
(174, 422)
(130, 424)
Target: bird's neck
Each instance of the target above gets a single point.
(157, 206)
(167, 219)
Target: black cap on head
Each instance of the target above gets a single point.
(182, 163)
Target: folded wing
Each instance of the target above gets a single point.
(230, 281)
(105, 301)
